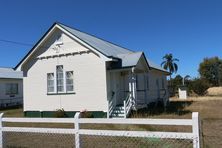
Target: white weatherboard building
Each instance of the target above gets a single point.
(11, 91)
(72, 70)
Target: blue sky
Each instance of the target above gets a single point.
(190, 29)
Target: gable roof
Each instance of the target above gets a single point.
(107, 48)
(156, 66)
(111, 50)
(130, 59)
(10, 73)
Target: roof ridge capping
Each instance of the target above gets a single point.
(108, 49)
(59, 23)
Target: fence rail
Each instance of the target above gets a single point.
(84, 137)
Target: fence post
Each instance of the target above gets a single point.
(76, 124)
(1, 137)
(195, 130)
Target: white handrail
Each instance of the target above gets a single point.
(111, 105)
(127, 105)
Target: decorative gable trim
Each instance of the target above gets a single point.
(63, 54)
(45, 36)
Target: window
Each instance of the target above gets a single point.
(50, 82)
(163, 83)
(69, 81)
(11, 89)
(147, 82)
(157, 84)
(60, 78)
(60, 82)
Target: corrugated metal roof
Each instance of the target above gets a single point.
(129, 58)
(105, 47)
(10, 73)
(155, 66)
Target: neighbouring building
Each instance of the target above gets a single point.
(11, 87)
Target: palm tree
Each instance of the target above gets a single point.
(169, 63)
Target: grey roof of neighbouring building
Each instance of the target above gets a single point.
(10, 73)
(128, 57)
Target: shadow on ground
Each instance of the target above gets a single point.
(2, 108)
(177, 108)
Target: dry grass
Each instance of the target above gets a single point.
(13, 112)
(209, 110)
(197, 98)
(214, 91)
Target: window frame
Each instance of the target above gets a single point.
(68, 91)
(148, 82)
(163, 83)
(53, 83)
(157, 84)
(61, 76)
(62, 85)
(11, 88)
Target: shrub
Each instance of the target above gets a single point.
(199, 86)
(60, 113)
(86, 114)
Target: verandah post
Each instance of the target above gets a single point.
(195, 130)
(1, 137)
(76, 124)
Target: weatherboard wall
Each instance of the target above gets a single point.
(4, 95)
(89, 78)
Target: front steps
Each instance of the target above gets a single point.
(118, 112)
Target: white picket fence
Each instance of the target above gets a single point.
(194, 123)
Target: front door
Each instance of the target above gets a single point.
(158, 88)
(124, 86)
(141, 88)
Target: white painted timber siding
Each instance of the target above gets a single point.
(4, 96)
(154, 77)
(89, 78)
(119, 83)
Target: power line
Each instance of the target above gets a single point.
(15, 42)
(27, 44)
(23, 44)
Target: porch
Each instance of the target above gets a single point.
(125, 92)
(131, 89)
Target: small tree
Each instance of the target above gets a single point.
(60, 113)
(211, 70)
(200, 86)
(175, 82)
